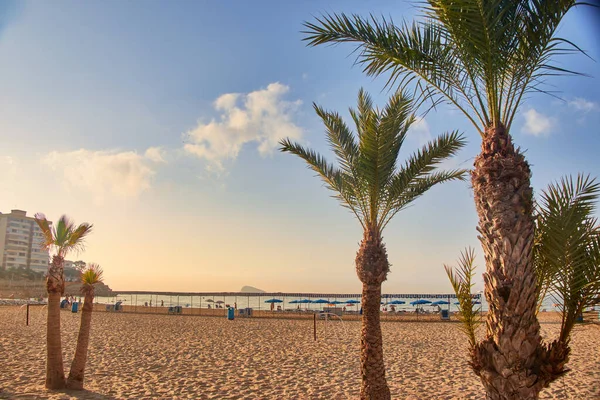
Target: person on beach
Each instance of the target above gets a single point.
(235, 305)
(162, 303)
(272, 306)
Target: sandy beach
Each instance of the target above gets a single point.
(137, 356)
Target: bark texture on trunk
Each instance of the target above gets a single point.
(512, 361)
(55, 284)
(372, 267)
(77, 372)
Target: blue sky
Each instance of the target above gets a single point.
(107, 108)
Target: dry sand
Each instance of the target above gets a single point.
(134, 356)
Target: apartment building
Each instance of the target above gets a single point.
(21, 242)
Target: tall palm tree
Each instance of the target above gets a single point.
(482, 57)
(567, 262)
(370, 183)
(63, 238)
(89, 277)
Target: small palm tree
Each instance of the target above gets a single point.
(483, 57)
(369, 182)
(64, 237)
(567, 250)
(567, 265)
(89, 277)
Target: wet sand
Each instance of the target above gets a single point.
(145, 356)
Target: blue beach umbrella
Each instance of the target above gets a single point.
(353, 302)
(273, 301)
(419, 302)
(294, 301)
(397, 302)
(439, 302)
(304, 301)
(320, 301)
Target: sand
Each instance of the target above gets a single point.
(137, 356)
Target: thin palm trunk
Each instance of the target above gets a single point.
(372, 267)
(55, 375)
(76, 375)
(507, 360)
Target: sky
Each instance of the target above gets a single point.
(159, 124)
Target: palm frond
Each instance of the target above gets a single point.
(567, 252)
(333, 178)
(46, 229)
(480, 56)
(417, 175)
(461, 279)
(92, 275)
(368, 181)
(77, 236)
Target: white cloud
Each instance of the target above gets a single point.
(259, 117)
(420, 131)
(537, 124)
(581, 104)
(125, 174)
(155, 154)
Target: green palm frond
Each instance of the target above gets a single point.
(92, 275)
(368, 180)
(567, 251)
(480, 56)
(333, 178)
(461, 279)
(76, 240)
(64, 235)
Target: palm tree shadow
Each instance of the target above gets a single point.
(87, 395)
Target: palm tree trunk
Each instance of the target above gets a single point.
(76, 375)
(372, 267)
(55, 375)
(507, 360)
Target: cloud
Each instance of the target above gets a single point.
(583, 105)
(124, 174)
(537, 124)
(420, 131)
(261, 117)
(155, 154)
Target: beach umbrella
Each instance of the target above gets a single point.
(273, 301)
(294, 301)
(397, 302)
(439, 302)
(210, 301)
(304, 301)
(320, 301)
(337, 302)
(353, 302)
(220, 302)
(419, 302)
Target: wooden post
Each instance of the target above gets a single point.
(27, 318)
(315, 325)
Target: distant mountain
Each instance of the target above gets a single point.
(251, 289)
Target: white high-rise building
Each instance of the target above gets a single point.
(21, 242)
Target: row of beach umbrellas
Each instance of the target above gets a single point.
(323, 301)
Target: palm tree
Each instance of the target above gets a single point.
(369, 182)
(89, 277)
(482, 57)
(567, 263)
(63, 238)
(567, 249)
